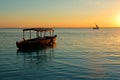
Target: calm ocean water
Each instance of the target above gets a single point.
(80, 54)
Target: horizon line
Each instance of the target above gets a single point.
(50, 27)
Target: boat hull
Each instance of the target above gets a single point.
(35, 43)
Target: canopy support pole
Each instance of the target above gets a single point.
(23, 35)
(37, 34)
(44, 33)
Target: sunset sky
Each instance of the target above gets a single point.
(59, 13)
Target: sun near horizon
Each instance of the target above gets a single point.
(59, 13)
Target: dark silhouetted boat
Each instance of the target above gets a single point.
(96, 27)
(44, 37)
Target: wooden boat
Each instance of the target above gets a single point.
(97, 27)
(42, 38)
(37, 49)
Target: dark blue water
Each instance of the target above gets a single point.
(79, 54)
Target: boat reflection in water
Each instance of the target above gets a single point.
(37, 55)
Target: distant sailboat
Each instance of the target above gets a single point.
(97, 27)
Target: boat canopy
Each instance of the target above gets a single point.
(42, 31)
(39, 29)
